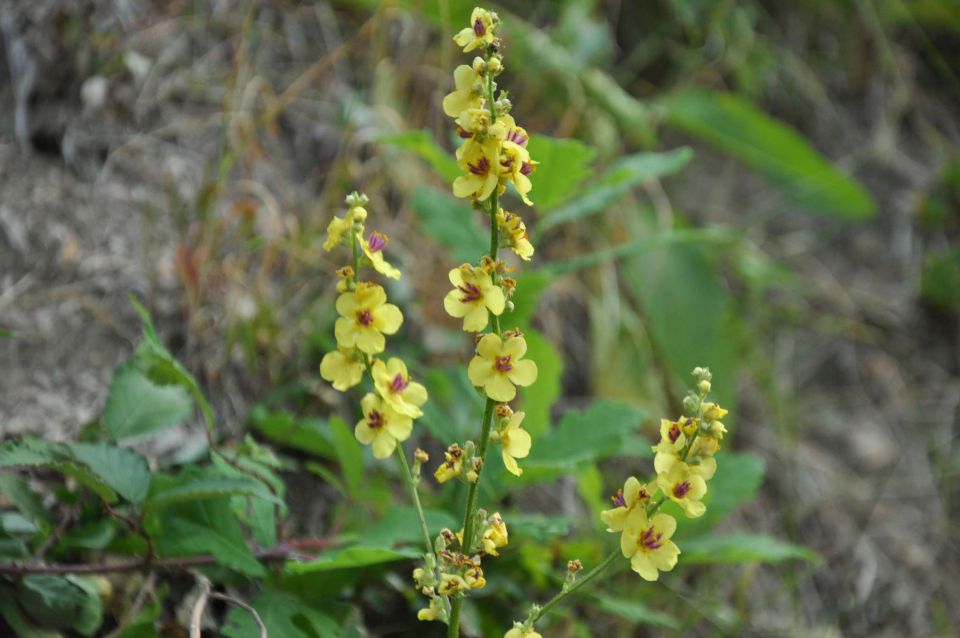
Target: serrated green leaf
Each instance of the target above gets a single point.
(770, 147)
(27, 452)
(86, 477)
(564, 165)
(349, 454)
(742, 547)
(200, 487)
(61, 602)
(123, 470)
(136, 406)
(423, 144)
(28, 502)
(623, 175)
(286, 430)
(737, 480)
(284, 615)
(451, 222)
(585, 435)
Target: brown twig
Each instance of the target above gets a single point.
(136, 527)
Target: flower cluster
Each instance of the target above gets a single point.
(684, 463)
(365, 317)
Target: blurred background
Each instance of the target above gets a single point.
(771, 189)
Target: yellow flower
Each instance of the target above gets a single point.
(473, 295)
(452, 464)
(515, 443)
(520, 632)
(480, 32)
(685, 487)
(397, 388)
(512, 227)
(494, 535)
(432, 612)
(515, 165)
(713, 412)
(480, 161)
(373, 249)
(365, 316)
(498, 366)
(634, 493)
(469, 93)
(699, 458)
(381, 426)
(343, 368)
(474, 577)
(647, 543)
(340, 226)
(451, 584)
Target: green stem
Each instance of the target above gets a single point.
(577, 584)
(414, 497)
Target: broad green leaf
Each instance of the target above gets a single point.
(451, 222)
(286, 430)
(137, 406)
(621, 177)
(530, 286)
(423, 144)
(90, 615)
(564, 165)
(259, 514)
(284, 615)
(86, 477)
(21, 624)
(200, 487)
(28, 452)
(123, 470)
(28, 502)
(349, 454)
(741, 547)
(61, 602)
(400, 525)
(349, 558)
(634, 611)
(15, 523)
(537, 527)
(585, 435)
(737, 127)
(200, 527)
(737, 480)
(540, 397)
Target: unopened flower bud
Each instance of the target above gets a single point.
(479, 66)
(690, 404)
(421, 457)
(494, 65)
(472, 476)
(574, 565)
(704, 386)
(504, 411)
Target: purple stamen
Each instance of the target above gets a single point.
(478, 29)
(504, 363)
(364, 318)
(482, 167)
(618, 500)
(399, 384)
(680, 489)
(376, 242)
(674, 433)
(470, 293)
(650, 539)
(464, 133)
(375, 420)
(517, 137)
(526, 168)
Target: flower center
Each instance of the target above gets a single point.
(375, 420)
(364, 317)
(463, 133)
(376, 242)
(618, 499)
(650, 540)
(526, 168)
(482, 167)
(478, 29)
(470, 293)
(505, 363)
(517, 137)
(399, 384)
(674, 433)
(680, 489)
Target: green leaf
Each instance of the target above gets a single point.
(199, 527)
(635, 612)
(400, 525)
(86, 477)
(27, 452)
(284, 615)
(137, 406)
(19, 622)
(540, 397)
(349, 454)
(737, 127)
(530, 286)
(286, 430)
(741, 547)
(90, 615)
(28, 502)
(349, 558)
(585, 435)
(941, 279)
(123, 470)
(423, 144)
(737, 480)
(621, 177)
(537, 527)
(194, 487)
(61, 602)
(451, 222)
(564, 165)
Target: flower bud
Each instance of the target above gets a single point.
(494, 65)
(421, 457)
(479, 66)
(704, 386)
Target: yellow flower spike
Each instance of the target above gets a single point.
(520, 632)
(469, 92)
(451, 584)
(480, 160)
(432, 612)
(373, 249)
(480, 33)
(515, 165)
(684, 487)
(515, 443)
(473, 295)
(343, 226)
(397, 388)
(512, 227)
(646, 542)
(498, 366)
(365, 316)
(381, 426)
(343, 368)
(633, 494)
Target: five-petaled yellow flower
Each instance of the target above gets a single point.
(499, 366)
(685, 487)
(381, 425)
(397, 388)
(481, 161)
(633, 494)
(343, 368)
(515, 443)
(474, 294)
(646, 542)
(365, 316)
(480, 32)
(469, 93)
(373, 249)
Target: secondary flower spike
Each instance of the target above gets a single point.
(499, 367)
